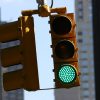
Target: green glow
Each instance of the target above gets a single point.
(67, 74)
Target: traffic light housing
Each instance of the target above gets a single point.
(24, 54)
(64, 47)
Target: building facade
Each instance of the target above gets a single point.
(83, 11)
(15, 94)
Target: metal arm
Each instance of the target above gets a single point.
(41, 2)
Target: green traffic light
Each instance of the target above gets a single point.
(67, 73)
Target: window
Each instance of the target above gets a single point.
(85, 77)
(85, 85)
(80, 15)
(79, 33)
(85, 94)
(85, 70)
(80, 9)
(84, 63)
(80, 40)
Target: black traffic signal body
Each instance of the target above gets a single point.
(24, 53)
(64, 47)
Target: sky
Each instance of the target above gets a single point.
(10, 11)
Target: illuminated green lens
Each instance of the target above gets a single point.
(67, 74)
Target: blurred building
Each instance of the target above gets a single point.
(83, 11)
(11, 95)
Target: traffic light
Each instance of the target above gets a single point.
(24, 54)
(64, 47)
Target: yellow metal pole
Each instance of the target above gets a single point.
(44, 11)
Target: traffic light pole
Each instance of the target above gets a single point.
(44, 11)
